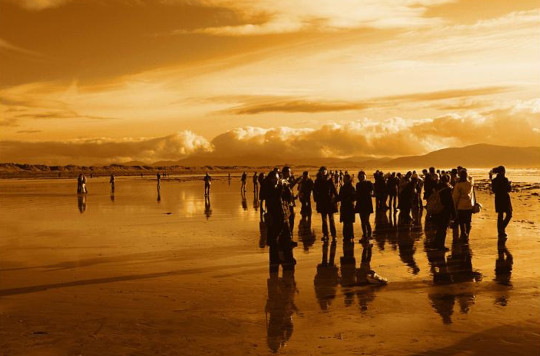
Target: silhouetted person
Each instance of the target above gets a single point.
(347, 197)
(406, 194)
(280, 309)
(287, 193)
(448, 212)
(305, 188)
(380, 189)
(255, 183)
(244, 200)
(111, 181)
(429, 182)
(79, 184)
(368, 278)
(364, 204)
(207, 181)
(158, 177)
(81, 202)
(464, 202)
(261, 180)
(324, 194)
(503, 205)
(392, 186)
(243, 179)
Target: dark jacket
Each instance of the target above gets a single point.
(364, 192)
(324, 194)
(347, 196)
(501, 187)
(445, 193)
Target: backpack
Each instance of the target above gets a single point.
(434, 205)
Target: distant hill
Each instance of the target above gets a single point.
(478, 156)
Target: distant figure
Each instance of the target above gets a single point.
(503, 205)
(229, 179)
(464, 203)
(84, 190)
(79, 184)
(243, 179)
(158, 176)
(364, 204)
(111, 180)
(81, 203)
(347, 197)
(207, 181)
(305, 188)
(324, 194)
(255, 183)
(207, 207)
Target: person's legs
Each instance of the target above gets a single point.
(324, 225)
(332, 225)
(368, 225)
(468, 222)
(440, 235)
(364, 225)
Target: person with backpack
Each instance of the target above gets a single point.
(503, 205)
(442, 209)
(463, 196)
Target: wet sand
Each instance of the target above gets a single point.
(138, 274)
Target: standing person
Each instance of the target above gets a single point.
(380, 190)
(392, 185)
(347, 197)
(305, 188)
(501, 186)
(406, 194)
(364, 204)
(158, 176)
(288, 195)
(429, 182)
(111, 180)
(243, 179)
(207, 181)
(464, 203)
(229, 179)
(255, 183)
(83, 184)
(79, 184)
(324, 194)
(448, 212)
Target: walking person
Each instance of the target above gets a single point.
(243, 179)
(111, 181)
(255, 183)
(84, 190)
(464, 203)
(347, 197)
(324, 194)
(501, 186)
(207, 181)
(364, 204)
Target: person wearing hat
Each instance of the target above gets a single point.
(501, 187)
(324, 194)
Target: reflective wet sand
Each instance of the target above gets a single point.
(137, 273)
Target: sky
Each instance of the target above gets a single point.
(113, 81)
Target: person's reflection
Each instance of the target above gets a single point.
(305, 233)
(255, 203)
(456, 268)
(326, 279)
(158, 195)
(348, 269)
(503, 273)
(279, 309)
(382, 228)
(207, 207)
(244, 200)
(112, 196)
(81, 200)
(368, 278)
(442, 301)
(406, 248)
(263, 231)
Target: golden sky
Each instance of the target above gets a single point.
(102, 81)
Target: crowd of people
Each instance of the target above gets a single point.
(447, 196)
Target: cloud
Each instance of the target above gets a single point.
(516, 125)
(266, 17)
(36, 5)
(5, 46)
(250, 105)
(89, 151)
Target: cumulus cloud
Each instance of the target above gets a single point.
(90, 151)
(516, 125)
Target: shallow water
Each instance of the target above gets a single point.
(139, 273)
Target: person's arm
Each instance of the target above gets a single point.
(456, 194)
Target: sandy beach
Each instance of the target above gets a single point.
(137, 273)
